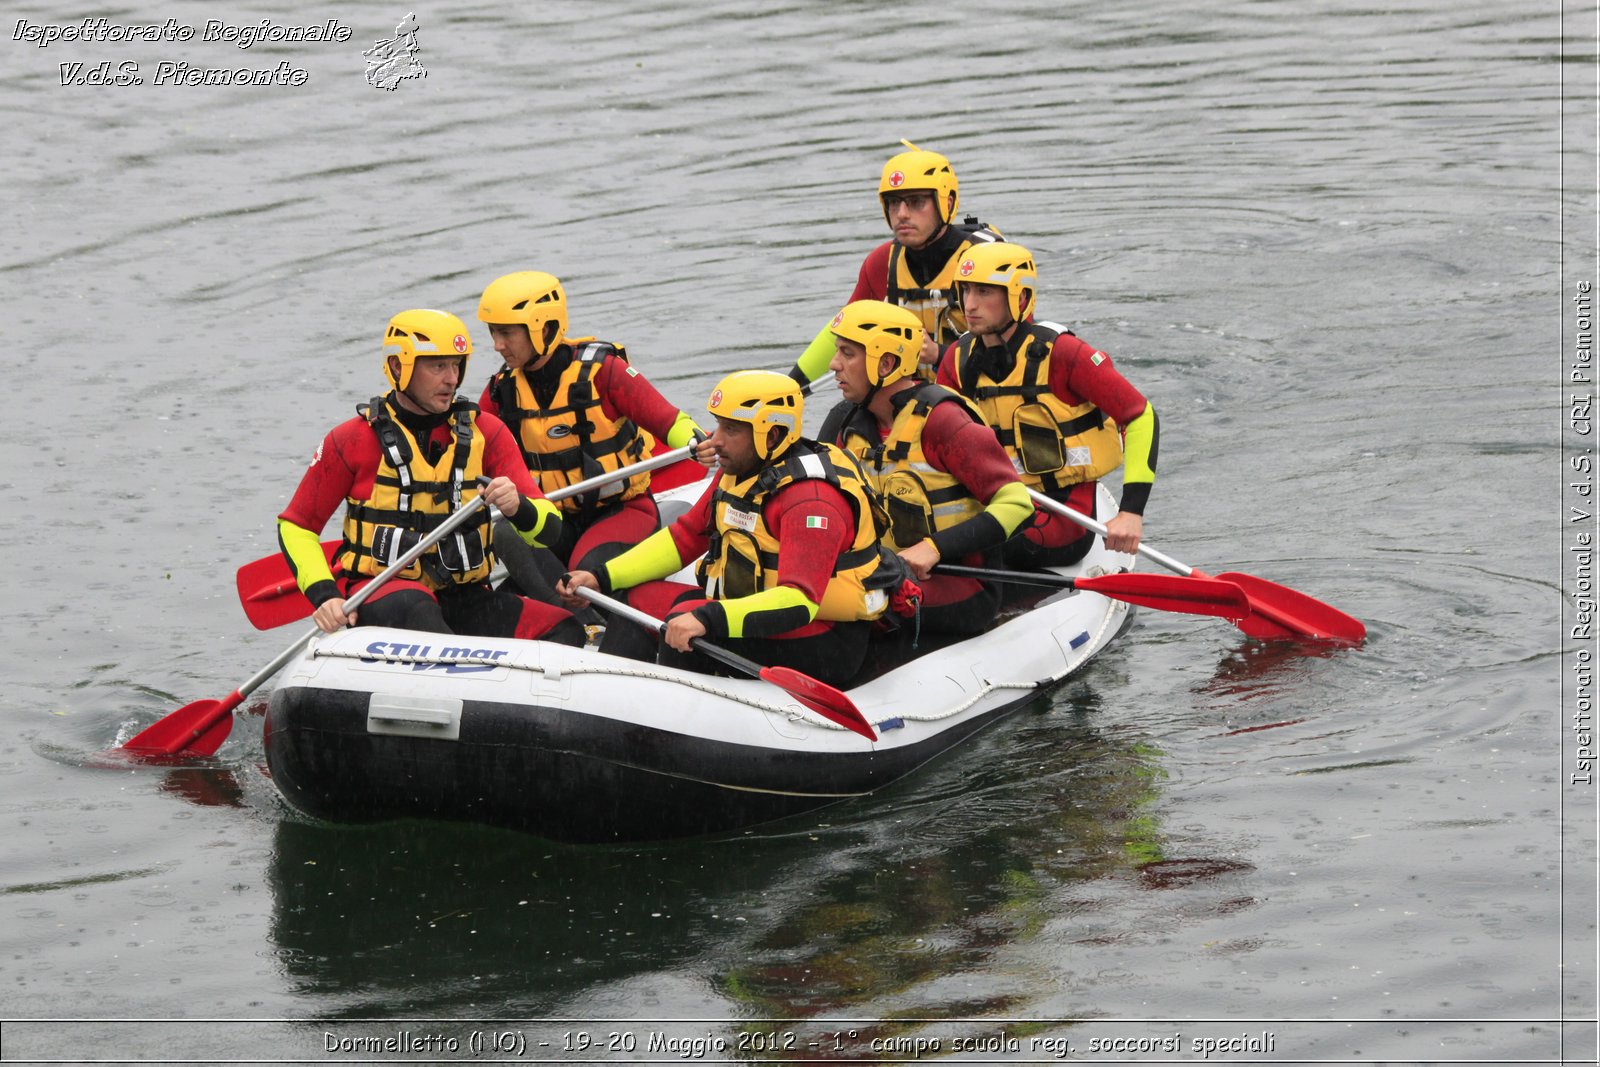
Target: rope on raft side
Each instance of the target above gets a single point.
(795, 712)
(989, 686)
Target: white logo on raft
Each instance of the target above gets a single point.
(379, 651)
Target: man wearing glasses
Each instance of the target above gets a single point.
(916, 269)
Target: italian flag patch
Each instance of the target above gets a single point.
(816, 522)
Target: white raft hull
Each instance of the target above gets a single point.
(374, 723)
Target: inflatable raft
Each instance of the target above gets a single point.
(372, 723)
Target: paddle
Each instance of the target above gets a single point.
(269, 592)
(271, 597)
(823, 699)
(1276, 611)
(200, 728)
(1194, 595)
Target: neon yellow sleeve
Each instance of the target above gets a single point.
(304, 552)
(743, 612)
(1137, 438)
(813, 362)
(683, 430)
(1011, 506)
(654, 557)
(546, 528)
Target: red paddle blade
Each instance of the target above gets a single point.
(268, 592)
(1169, 592)
(271, 606)
(1276, 611)
(196, 729)
(823, 699)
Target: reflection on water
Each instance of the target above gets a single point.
(1316, 234)
(209, 787)
(805, 920)
(1015, 844)
(422, 918)
(1265, 670)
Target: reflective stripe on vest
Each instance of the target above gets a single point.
(1052, 444)
(410, 497)
(919, 497)
(742, 557)
(571, 438)
(936, 303)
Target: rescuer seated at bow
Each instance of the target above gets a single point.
(948, 487)
(1064, 414)
(578, 409)
(916, 268)
(405, 463)
(787, 543)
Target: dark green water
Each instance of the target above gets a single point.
(1337, 246)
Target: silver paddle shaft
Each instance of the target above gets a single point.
(1096, 526)
(444, 530)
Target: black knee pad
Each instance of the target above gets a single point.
(566, 632)
(405, 609)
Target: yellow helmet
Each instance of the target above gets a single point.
(766, 400)
(883, 329)
(917, 169)
(532, 298)
(1001, 263)
(423, 334)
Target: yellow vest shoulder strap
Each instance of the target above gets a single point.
(411, 495)
(902, 287)
(398, 451)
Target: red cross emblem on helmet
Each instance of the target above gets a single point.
(460, 343)
(837, 319)
(897, 179)
(966, 267)
(716, 398)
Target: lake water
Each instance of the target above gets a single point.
(1347, 250)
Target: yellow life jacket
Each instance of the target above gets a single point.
(572, 438)
(936, 303)
(1051, 444)
(742, 558)
(918, 497)
(411, 497)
